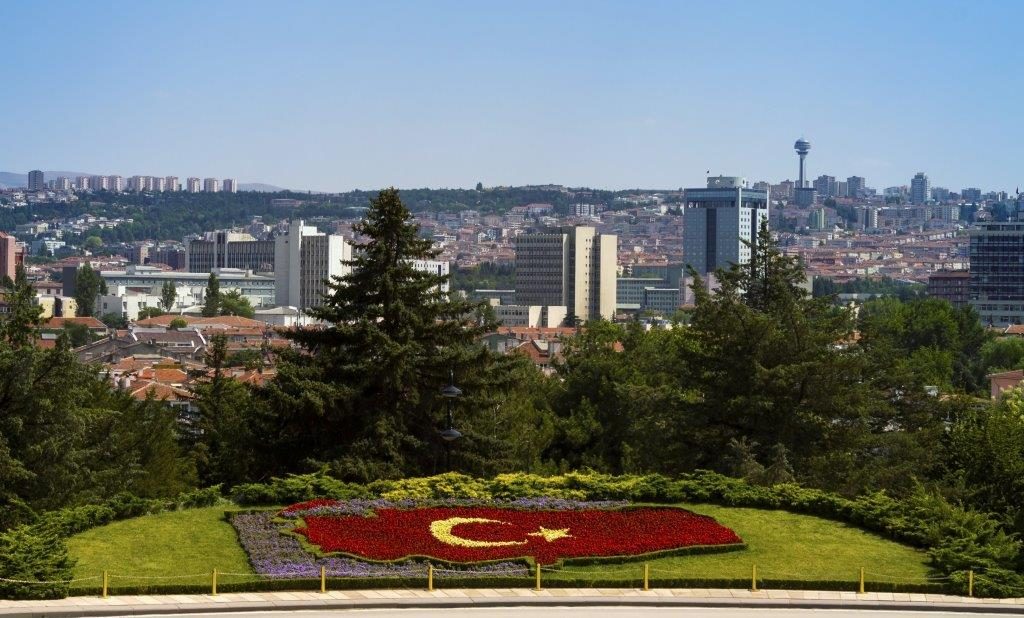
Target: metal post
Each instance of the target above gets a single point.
(970, 583)
(753, 579)
(861, 589)
(537, 587)
(213, 590)
(647, 576)
(323, 579)
(105, 581)
(430, 578)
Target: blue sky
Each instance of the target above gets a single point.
(335, 95)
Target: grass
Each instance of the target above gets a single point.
(783, 546)
(189, 542)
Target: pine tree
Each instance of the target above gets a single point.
(168, 295)
(20, 327)
(367, 393)
(211, 302)
(89, 285)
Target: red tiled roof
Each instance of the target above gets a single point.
(88, 322)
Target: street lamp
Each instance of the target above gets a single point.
(449, 434)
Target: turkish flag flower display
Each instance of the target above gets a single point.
(476, 534)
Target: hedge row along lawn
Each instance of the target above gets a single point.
(783, 545)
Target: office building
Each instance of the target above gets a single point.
(940, 194)
(230, 185)
(971, 195)
(855, 186)
(920, 189)
(571, 267)
(950, 285)
(170, 183)
(304, 261)
(36, 180)
(996, 283)
(721, 222)
(191, 287)
(229, 250)
(211, 185)
(192, 185)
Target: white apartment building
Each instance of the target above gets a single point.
(304, 261)
(211, 185)
(170, 183)
(192, 185)
(230, 185)
(116, 184)
(82, 183)
(571, 267)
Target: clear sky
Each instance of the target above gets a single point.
(427, 93)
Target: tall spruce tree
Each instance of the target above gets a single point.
(211, 303)
(365, 395)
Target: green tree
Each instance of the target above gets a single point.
(114, 320)
(365, 392)
(20, 327)
(233, 303)
(178, 324)
(168, 295)
(150, 312)
(211, 302)
(92, 243)
(89, 285)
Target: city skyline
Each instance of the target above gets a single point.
(332, 97)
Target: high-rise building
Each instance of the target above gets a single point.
(971, 195)
(156, 183)
(62, 183)
(996, 285)
(574, 267)
(868, 217)
(940, 194)
(116, 184)
(11, 255)
(211, 185)
(82, 183)
(720, 221)
(36, 180)
(783, 190)
(920, 189)
(229, 250)
(137, 183)
(817, 219)
(304, 261)
(192, 185)
(950, 285)
(230, 185)
(100, 183)
(855, 186)
(825, 186)
(170, 183)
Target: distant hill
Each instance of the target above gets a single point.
(258, 186)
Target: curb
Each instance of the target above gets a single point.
(173, 607)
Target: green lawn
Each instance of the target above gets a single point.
(189, 542)
(782, 545)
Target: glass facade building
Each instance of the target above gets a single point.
(996, 285)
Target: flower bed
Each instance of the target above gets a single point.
(380, 537)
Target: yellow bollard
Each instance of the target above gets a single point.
(323, 580)
(213, 588)
(430, 578)
(538, 577)
(861, 589)
(970, 583)
(753, 579)
(647, 576)
(105, 580)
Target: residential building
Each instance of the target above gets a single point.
(971, 195)
(100, 183)
(36, 180)
(171, 183)
(116, 184)
(572, 267)
(63, 183)
(226, 249)
(305, 259)
(82, 183)
(11, 255)
(192, 185)
(825, 186)
(230, 185)
(211, 185)
(855, 186)
(137, 183)
(920, 189)
(721, 222)
(996, 283)
(156, 183)
(950, 285)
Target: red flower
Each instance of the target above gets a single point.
(474, 534)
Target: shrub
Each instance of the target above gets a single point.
(33, 554)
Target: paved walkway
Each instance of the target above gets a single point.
(482, 597)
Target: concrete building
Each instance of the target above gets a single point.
(156, 183)
(996, 282)
(950, 285)
(137, 183)
(971, 195)
(100, 183)
(171, 183)
(192, 185)
(304, 260)
(855, 186)
(572, 267)
(62, 183)
(629, 292)
(825, 186)
(191, 287)
(435, 267)
(211, 185)
(36, 180)
(11, 255)
(531, 316)
(82, 183)
(920, 189)
(721, 222)
(229, 250)
(116, 184)
(230, 185)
